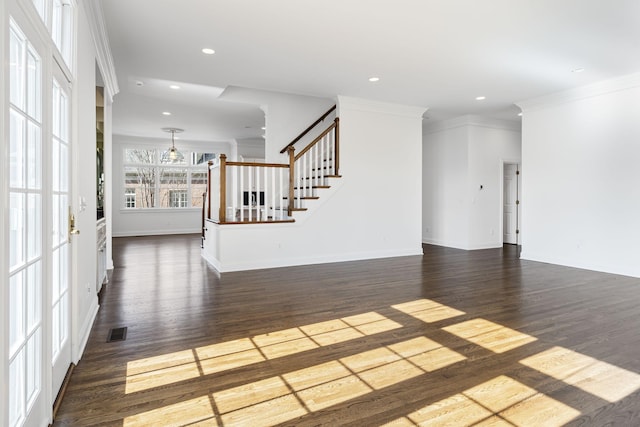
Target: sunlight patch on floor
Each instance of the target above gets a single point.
(334, 382)
(427, 310)
(501, 401)
(157, 371)
(489, 335)
(594, 376)
(178, 414)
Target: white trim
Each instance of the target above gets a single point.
(619, 270)
(504, 162)
(4, 217)
(368, 105)
(303, 260)
(195, 230)
(472, 120)
(595, 89)
(98, 29)
(466, 247)
(84, 332)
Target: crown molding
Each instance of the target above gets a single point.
(473, 120)
(361, 104)
(588, 91)
(95, 18)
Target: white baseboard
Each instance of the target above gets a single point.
(291, 262)
(85, 331)
(619, 270)
(135, 233)
(464, 246)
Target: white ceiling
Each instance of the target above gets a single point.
(439, 54)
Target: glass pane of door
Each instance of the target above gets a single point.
(25, 226)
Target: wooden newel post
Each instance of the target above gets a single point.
(222, 216)
(292, 162)
(337, 139)
(204, 200)
(210, 163)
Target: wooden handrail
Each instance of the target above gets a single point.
(304, 132)
(264, 165)
(315, 141)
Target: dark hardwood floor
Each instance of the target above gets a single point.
(450, 338)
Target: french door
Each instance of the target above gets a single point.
(60, 225)
(27, 259)
(38, 255)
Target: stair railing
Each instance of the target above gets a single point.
(313, 165)
(307, 130)
(240, 192)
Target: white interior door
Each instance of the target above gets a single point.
(60, 250)
(510, 204)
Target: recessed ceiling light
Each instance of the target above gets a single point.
(374, 79)
(263, 128)
(519, 114)
(174, 87)
(480, 98)
(577, 70)
(166, 113)
(139, 83)
(208, 51)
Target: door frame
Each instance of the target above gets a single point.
(503, 162)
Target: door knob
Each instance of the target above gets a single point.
(72, 225)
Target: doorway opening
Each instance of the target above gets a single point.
(511, 201)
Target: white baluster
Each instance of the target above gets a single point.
(314, 156)
(322, 162)
(332, 150)
(280, 195)
(241, 192)
(234, 195)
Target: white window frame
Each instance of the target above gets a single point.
(178, 198)
(129, 201)
(189, 166)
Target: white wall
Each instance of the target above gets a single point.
(581, 179)
(84, 298)
(286, 116)
(144, 222)
(445, 176)
(459, 156)
(373, 211)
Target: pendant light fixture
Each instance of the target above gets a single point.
(172, 155)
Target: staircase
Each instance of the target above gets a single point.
(271, 193)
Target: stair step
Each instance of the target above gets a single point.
(298, 209)
(304, 198)
(313, 187)
(322, 177)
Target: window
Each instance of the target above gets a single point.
(130, 198)
(177, 198)
(61, 28)
(151, 182)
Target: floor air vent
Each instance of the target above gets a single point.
(117, 334)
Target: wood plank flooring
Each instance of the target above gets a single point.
(450, 338)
